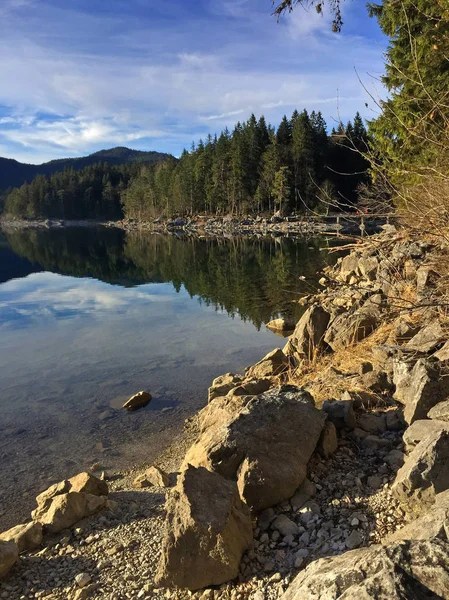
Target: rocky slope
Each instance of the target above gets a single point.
(321, 472)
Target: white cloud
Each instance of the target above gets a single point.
(158, 85)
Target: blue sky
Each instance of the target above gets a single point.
(81, 75)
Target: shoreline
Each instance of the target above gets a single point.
(338, 225)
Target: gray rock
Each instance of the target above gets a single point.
(27, 536)
(328, 443)
(9, 555)
(395, 458)
(409, 569)
(340, 413)
(368, 266)
(285, 526)
(427, 339)
(265, 442)
(440, 412)
(372, 423)
(421, 430)
(208, 528)
(306, 490)
(420, 389)
(307, 339)
(223, 384)
(349, 328)
(425, 472)
(274, 363)
(432, 524)
(354, 540)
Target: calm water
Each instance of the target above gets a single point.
(90, 316)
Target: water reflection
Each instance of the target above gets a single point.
(89, 317)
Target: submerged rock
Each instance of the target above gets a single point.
(208, 528)
(139, 400)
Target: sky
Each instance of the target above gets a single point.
(77, 76)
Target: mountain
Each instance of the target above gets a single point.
(14, 173)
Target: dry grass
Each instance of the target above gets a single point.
(330, 375)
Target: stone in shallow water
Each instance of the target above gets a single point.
(139, 400)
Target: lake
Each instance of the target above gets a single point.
(89, 316)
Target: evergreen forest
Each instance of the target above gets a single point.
(256, 168)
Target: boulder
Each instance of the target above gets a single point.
(85, 483)
(223, 384)
(281, 324)
(152, 476)
(347, 328)
(328, 443)
(427, 339)
(425, 472)
(433, 523)
(208, 528)
(274, 363)
(9, 555)
(420, 388)
(440, 412)
(421, 430)
(307, 339)
(139, 400)
(340, 413)
(64, 510)
(27, 537)
(265, 442)
(409, 569)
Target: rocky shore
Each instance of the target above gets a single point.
(344, 224)
(320, 472)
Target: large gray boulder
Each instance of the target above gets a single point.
(425, 472)
(9, 555)
(208, 528)
(349, 328)
(307, 339)
(264, 442)
(419, 388)
(408, 570)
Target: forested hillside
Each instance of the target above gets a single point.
(14, 173)
(256, 168)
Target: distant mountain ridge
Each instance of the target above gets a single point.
(14, 173)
